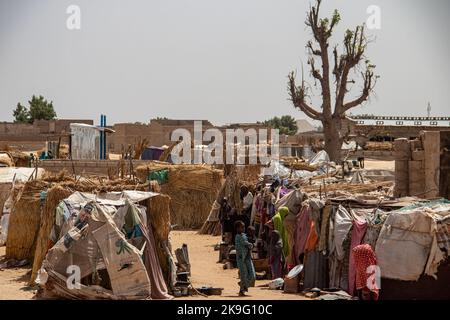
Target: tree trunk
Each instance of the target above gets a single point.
(333, 140)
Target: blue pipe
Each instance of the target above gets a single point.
(104, 137)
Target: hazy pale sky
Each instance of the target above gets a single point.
(226, 61)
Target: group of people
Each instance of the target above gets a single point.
(263, 229)
(256, 230)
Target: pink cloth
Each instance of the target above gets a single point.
(301, 232)
(358, 232)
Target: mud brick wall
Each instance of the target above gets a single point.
(417, 166)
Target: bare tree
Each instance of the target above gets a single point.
(352, 61)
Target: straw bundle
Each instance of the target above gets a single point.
(301, 166)
(158, 216)
(192, 189)
(379, 146)
(194, 178)
(24, 222)
(99, 184)
(352, 188)
(54, 196)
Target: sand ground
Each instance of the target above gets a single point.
(204, 267)
(370, 164)
(207, 272)
(13, 282)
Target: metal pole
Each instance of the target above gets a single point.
(101, 141)
(104, 137)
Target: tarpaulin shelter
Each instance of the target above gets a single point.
(110, 240)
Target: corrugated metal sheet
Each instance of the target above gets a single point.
(85, 142)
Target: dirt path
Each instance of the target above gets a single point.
(13, 282)
(207, 272)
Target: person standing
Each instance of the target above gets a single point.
(276, 255)
(224, 216)
(244, 261)
(278, 224)
(247, 201)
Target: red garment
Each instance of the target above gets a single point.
(358, 232)
(311, 242)
(364, 257)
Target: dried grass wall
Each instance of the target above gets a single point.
(24, 222)
(158, 214)
(54, 196)
(192, 189)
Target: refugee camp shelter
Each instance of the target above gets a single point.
(109, 237)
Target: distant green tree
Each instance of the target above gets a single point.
(21, 114)
(39, 109)
(285, 124)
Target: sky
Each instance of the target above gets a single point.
(226, 61)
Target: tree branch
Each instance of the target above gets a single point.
(355, 44)
(315, 73)
(321, 32)
(313, 51)
(298, 95)
(369, 84)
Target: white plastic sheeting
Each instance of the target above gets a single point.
(4, 222)
(14, 174)
(276, 169)
(111, 198)
(320, 158)
(351, 145)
